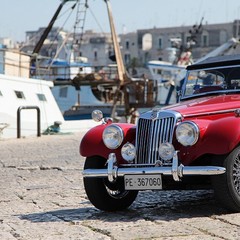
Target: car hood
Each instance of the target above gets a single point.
(207, 105)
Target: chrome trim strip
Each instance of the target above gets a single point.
(210, 113)
(176, 171)
(185, 170)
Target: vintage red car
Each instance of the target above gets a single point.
(192, 144)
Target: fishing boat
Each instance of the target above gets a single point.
(168, 77)
(78, 92)
(27, 105)
(169, 74)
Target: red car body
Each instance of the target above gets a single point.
(220, 114)
(203, 141)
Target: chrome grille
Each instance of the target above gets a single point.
(153, 129)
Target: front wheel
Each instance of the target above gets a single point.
(103, 194)
(227, 186)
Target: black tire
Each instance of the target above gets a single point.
(103, 194)
(227, 186)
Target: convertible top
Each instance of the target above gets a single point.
(220, 61)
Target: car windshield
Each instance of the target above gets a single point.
(209, 81)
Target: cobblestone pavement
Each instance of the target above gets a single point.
(42, 197)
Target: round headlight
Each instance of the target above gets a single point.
(166, 151)
(97, 115)
(187, 133)
(112, 136)
(128, 152)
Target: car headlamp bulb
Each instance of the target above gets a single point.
(112, 136)
(187, 133)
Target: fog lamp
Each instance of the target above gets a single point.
(128, 152)
(166, 151)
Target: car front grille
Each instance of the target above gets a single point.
(154, 128)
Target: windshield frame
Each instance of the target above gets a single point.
(225, 89)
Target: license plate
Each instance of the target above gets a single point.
(143, 182)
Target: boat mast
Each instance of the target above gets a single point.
(38, 46)
(120, 66)
(122, 75)
(79, 26)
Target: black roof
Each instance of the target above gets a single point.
(219, 61)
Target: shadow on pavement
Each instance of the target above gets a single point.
(165, 206)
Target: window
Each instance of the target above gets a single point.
(63, 92)
(41, 97)
(160, 43)
(127, 58)
(19, 94)
(127, 44)
(203, 81)
(223, 37)
(205, 40)
(95, 55)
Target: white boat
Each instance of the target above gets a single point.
(168, 77)
(75, 99)
(27, 106)
(73, 76)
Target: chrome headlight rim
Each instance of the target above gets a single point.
(195, 130)
(108, 142)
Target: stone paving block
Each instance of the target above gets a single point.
(142, 229)
(233, 219)
(42, 197)
(189, 237)
(215, 227)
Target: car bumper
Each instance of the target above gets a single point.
(112, 172)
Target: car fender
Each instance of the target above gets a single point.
(217, 137)
(93, 145)
(222, 135)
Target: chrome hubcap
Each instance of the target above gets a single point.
(116, 193)
(114, 190)
(236, 173)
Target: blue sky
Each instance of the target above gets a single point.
(19, 16)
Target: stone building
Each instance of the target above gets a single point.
(137, 47)
(96, 47)
(158, 43)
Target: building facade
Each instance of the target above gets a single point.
(137, 47)
(159, 43)
(96, 47)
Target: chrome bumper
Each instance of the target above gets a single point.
(177, 171)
